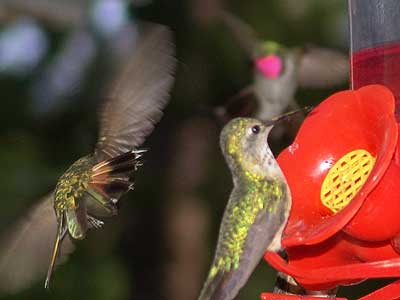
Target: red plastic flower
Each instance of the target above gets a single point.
(345, 192)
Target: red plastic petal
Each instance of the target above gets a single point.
(391, 291)
(271, 296)
(378, 218)
(349, 120)
(323, 278)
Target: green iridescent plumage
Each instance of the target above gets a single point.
(72, 184)
(256, 213)
(244, 213)
(92, 186)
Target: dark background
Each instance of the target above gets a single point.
(161, 244)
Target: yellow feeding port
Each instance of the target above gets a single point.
(345, 179)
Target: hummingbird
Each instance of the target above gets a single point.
(91, 186)
(278, 70)
(257, 210)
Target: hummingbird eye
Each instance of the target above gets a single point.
(255, 129)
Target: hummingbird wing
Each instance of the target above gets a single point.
(322, 67)
(225, 279)
(138, 95)
(25, 249)
(244, 34)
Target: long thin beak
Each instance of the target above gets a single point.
(287, 116)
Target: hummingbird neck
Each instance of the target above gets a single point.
(254, 172)
(246, 178)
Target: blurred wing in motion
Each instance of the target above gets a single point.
(25, 250)
(322, 67)
(243, 33)
(138, 95)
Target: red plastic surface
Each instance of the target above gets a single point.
(360, 241)
(389, 292)
(332, 276)
(348, 120)
(378, 218)
(271, 296)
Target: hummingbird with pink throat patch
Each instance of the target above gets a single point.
(278, 70)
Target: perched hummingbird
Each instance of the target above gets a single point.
(257, 210)
(279, 71)
(91, 187)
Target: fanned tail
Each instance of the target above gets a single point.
(115, 176)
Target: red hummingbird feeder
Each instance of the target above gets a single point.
(343, 171)
(342, 177)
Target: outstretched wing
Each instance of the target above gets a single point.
(25, 249)
(138, 95)
(243, 33)
(226, 280)
(322, 67)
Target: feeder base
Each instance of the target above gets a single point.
(388, 292)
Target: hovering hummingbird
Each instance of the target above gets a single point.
(256, 213)
(92, 186)
(279, 71)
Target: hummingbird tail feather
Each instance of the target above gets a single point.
(220, 287)
(61, 231)
(210, 287)
(114, 177)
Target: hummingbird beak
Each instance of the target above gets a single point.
(287, 116)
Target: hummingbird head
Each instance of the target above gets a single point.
(269, 61)
(244, 143)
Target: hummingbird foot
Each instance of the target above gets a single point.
(112, 206)
(95, 223)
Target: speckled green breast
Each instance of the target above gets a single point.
(72, 184)
(259, 195)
